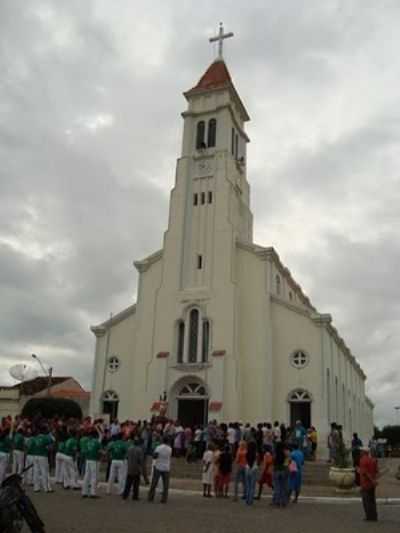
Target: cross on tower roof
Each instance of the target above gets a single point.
(220, 38)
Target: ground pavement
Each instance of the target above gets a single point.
(67, 512)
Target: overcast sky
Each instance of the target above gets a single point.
(90, 129)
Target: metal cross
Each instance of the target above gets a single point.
(220, 38)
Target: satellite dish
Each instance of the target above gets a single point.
(22, 372)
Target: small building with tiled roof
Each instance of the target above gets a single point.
(14, 397)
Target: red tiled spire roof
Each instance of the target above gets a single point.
(215, 77)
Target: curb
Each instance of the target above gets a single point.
(328, 500)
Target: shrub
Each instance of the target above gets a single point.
(50, 407)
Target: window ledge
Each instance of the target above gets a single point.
(204, 153)
(185, 367)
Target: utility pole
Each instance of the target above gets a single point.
(47, 372)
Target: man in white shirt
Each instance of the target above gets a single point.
(231, 434)
(162, 466)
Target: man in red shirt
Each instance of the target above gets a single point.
(368, 470)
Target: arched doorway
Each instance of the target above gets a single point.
(110, 403)
(300, 407)
(191, 402)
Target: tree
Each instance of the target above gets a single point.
(392, 434)
(50, 407)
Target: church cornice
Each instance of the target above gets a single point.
(144, 264)
(299, 310)
(269, 254)
(102, 328)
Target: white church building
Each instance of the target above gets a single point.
(220, 329)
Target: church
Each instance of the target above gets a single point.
(220, 329)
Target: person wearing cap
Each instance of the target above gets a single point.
(368, 470)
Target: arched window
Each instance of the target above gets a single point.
(110, 403)
(278, 284)
(193, 335)
(299, 396)
(206, 341)
(212, 132)
(192, 389)
(181, 340)
(200, 135)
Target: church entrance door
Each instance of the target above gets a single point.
(300, 408)
(192, 402)
(300, 411)
(192, 412)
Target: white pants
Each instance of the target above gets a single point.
(28, 476)
(4, 459)
(70, 473)
(59, 473)
(116, 473)
(90, 478)
(18, 461)
(41, 477)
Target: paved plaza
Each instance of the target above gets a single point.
(185, 512)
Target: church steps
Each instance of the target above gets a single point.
(313, 473)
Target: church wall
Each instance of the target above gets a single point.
(347, 401)
(144, 390)
(292, 331)
(253, 338)
(121, 337)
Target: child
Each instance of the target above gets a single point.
(224, 471)
(208, 471)
(266, 473)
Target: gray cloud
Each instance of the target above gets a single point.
(90, 96)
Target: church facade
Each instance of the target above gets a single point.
(220, 329)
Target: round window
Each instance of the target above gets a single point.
(113, 363)
(299, 359)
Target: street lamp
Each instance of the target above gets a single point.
(48, 372)
(397, 409)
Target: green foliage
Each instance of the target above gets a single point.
(343, 455)
(50, 407)
(391, 433)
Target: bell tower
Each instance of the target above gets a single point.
(209, 209)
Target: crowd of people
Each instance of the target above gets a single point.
(245, 456)
(265, 454)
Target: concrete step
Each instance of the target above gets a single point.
(313, 473)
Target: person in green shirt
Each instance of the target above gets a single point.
(43, 441)
(70, 453)
(93, 448)
(5, 449)
(82, 453)
(117, 450)
(60, 460)
(30, 446)
(18, 451)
